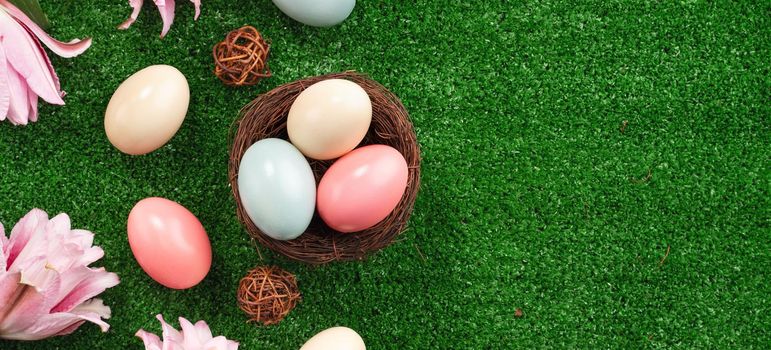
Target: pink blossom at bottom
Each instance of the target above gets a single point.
(192, 337)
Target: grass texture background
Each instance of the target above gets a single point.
(533, 198)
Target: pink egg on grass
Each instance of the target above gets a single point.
(169, 243)
(361, 188)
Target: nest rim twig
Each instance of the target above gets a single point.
(266, 117)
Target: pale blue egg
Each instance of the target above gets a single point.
(317, 13)
(277, 188)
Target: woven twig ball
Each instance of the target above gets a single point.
(267, 294)
(266, 117)
(242, 58)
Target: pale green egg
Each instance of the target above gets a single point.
(317, 13)
(277, 188)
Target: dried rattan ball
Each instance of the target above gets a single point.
(266, 116)
(242, 58)
(267, 294)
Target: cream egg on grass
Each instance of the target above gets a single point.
(335, 338)
(147, 109)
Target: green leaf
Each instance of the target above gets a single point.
(34, 11)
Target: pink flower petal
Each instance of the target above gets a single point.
(33, 97)
(51, 326)
(84, 238)
(169, 333)
(151, 341)
(23, 52)
(91, 255)
(47, 289)
(96, 306)
(32, 104)
(62, 255)
(3, 238)
(36, 273)
(16, 118)
(35, 249)
(63, 323)
(3, 245)
(71, 328)
(18, 109)
(70, 49)
(23, 231)
(60, 324)
(83, 241)
(23, 309)
(195, 336)
(50, 67)
(69, 280)
(3, 241)
(20, 306)
(59, 224)
(204, 333)
(93, 318)
(172, 345)
(5, 94)
(9, 283)
(90, 284)
(197, 4)
(221, 343)
(64, 250)
(166, 8)
(137, 7)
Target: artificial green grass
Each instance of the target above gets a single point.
(532, 197)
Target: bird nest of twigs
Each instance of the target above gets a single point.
(266, 117)
(267, 294)
(242, 58)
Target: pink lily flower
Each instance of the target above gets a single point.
(25, 70)
(166, 7)
(46, 286)
(192, 337)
